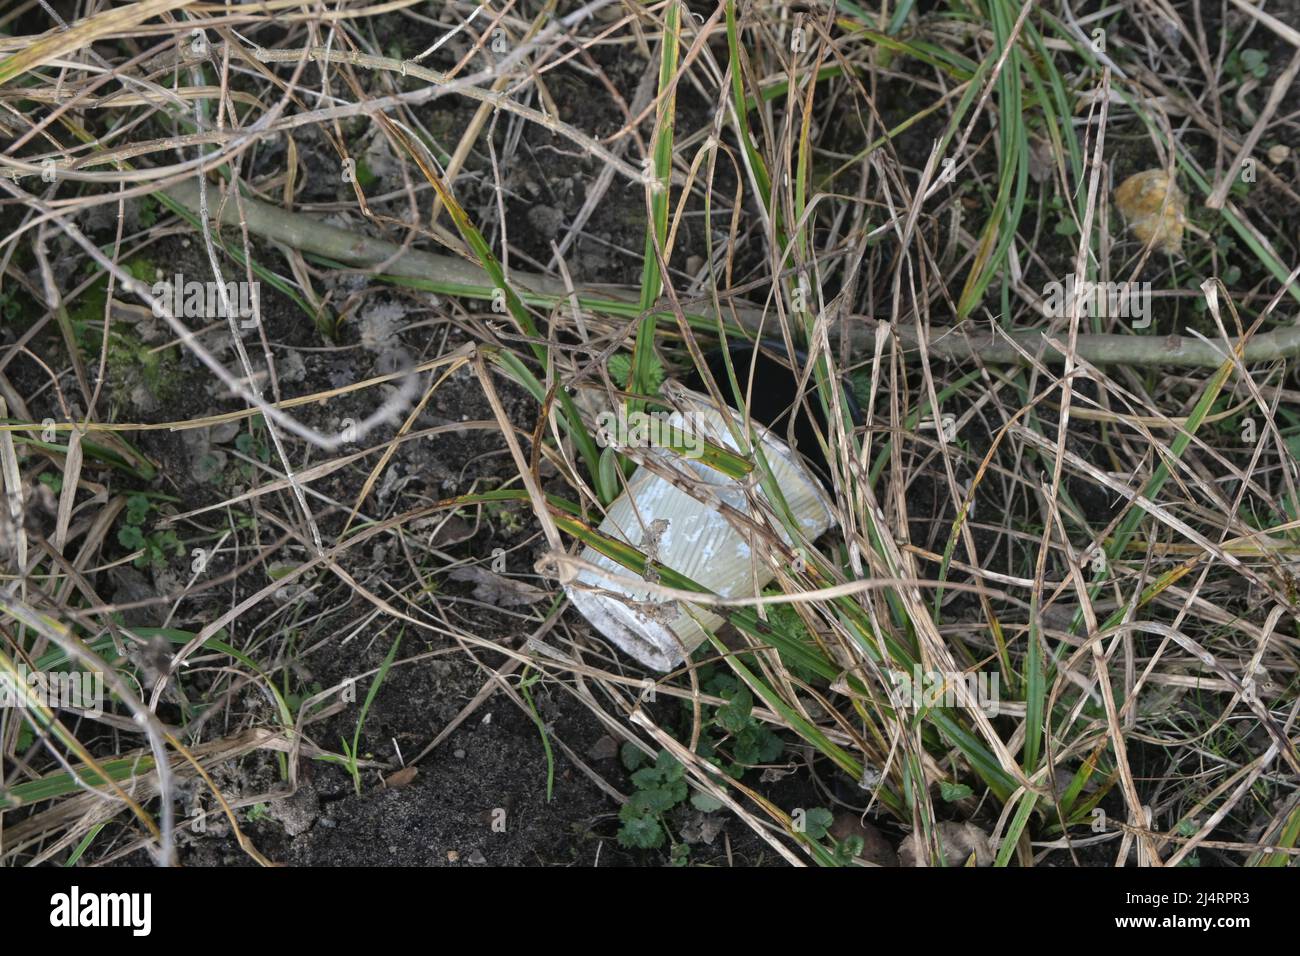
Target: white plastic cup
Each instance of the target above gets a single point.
(695, 539)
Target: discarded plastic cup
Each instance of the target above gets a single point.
(692, 536)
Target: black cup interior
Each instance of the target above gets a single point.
(774, 393)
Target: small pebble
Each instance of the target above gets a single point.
(453, 856)
(1155, 209)
(547, 220)
(1277, 155)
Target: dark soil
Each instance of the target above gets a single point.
(480, 797)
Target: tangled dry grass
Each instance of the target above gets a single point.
(1101, 514)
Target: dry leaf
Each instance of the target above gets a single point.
(960, 842)
(493, 588)
(700, 827)
(401, 778)
(1042, 160)
(1154, 208)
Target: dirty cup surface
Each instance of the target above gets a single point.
(690, 535)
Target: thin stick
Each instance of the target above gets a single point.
(309, 235)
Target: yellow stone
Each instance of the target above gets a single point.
(1155, 209)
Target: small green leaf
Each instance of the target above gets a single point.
(704, 802)
(641, 832)
(647, 778)
(817, 822)
(631, 755)
(757, 744)
(279, 569)
(668, 765)
(849, 848)
(620, 368)
(734, 716)
(148, 212)
(952, 792)
(659, 799)
(607, 474)
(137, 508)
